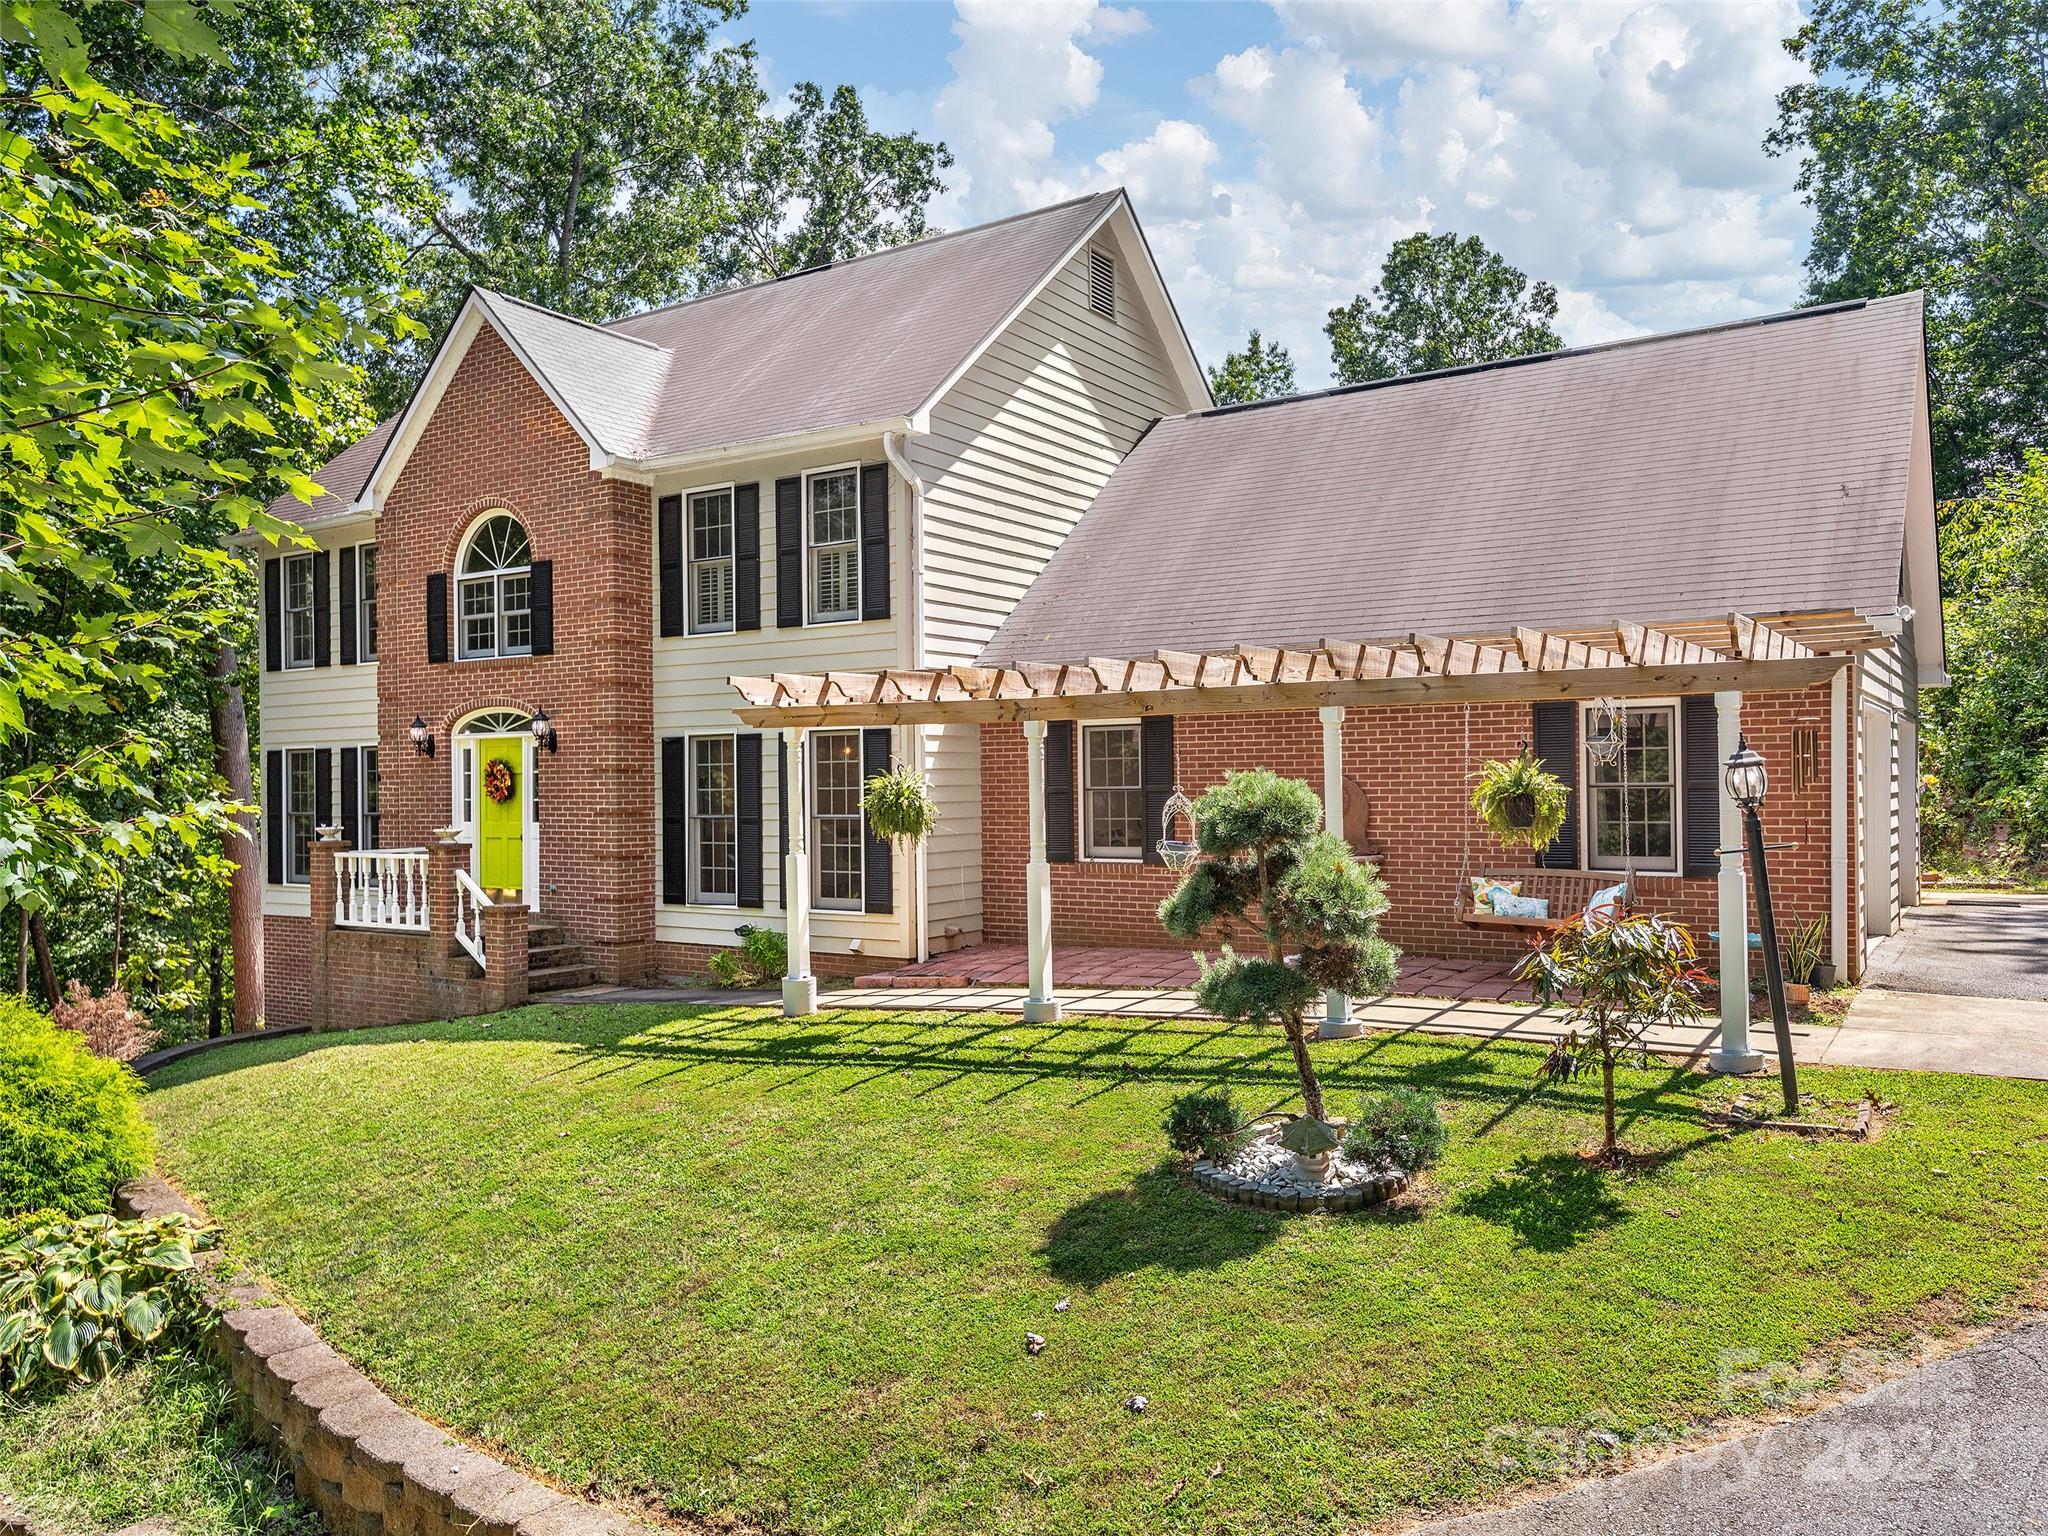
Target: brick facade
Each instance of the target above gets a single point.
(1414, 764)
(286, 956)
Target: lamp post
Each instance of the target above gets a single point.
(1748, 783)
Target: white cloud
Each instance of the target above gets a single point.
(1166, 173)
(1317, 139)
(1017, 71)
(1112, 24)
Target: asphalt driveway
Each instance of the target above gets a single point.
(1969, 947)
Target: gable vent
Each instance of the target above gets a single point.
(1102, 282)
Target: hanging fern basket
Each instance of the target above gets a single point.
(899, 806)
(1520, 801)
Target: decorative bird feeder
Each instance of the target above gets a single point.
(1604, 735)
(1177, 854)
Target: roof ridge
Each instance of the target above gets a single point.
(601, 328)
(1839, 306)
(886, 250)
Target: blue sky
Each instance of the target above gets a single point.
(1274, 151)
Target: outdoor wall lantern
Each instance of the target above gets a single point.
(1177, 854)
(1748, 783)
(422, 738)
(543, 730)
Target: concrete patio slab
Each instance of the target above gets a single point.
(1918, 1031)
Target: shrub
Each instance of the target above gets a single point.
(70, 1124)
(1401, 1127)
(1202, 1124)
(78, 1295)
(763, 955)
(111, 1026)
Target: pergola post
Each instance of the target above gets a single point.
(799, 986)
(1735, 1053)
(1039, 1006)
(1337, 1020)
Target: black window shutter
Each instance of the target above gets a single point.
(351, 798)
(747, 770)
(789, 552)
(1155, 768)
(1701, 757)
(668, 561)
(348, 606)
(323, 612)
(1059, 791)
(675, 788)
(541, 595)
(437, 616)
(746, 557)
(273, 615)
(781, 821)
(323, 787)
(273, 812)
(1556, 733)
(874, 541)
(878, 884)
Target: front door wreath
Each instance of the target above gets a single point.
(498, 780)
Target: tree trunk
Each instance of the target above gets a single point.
(245, 886)
(21, 961)
(44, 969)
(114, 970)
(1607, 1096)
(1311, 1086)
(213, 986)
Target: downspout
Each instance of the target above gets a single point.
(894, 445)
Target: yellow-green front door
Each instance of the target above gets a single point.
(500, 850)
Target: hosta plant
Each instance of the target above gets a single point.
(79, 1294)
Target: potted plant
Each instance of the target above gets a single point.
(1519, 801)
(899, 805)
(1805, 944)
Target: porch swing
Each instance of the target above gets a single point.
(1569, 893)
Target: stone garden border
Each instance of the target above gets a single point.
(370, 1467)
(1213, 1180)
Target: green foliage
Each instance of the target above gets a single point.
(1806, 946)
(762, 956)
(1614, 982)
(71, 1127)
(899, 805)
(1401, 1126)
(1441, 302)
(1202, 1123)
(1262, 371)
(80, 1295)
(1257, 812)
(1920, 139)
(1519, 801)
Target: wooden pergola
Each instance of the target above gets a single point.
(1621, 660)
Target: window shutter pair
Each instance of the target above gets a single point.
(540, 598)
(672, 561)
(874, 547)
(348, 606)
(675, 818)
(1555, 730)
(273, 615)
(878, 864)
(273, 815)
(1700, 768)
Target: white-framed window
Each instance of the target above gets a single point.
(838, 852)
(367, 807)
(709, 519)
(366, 602)
(299, 648)
(832, 542)
(1632, 803)
(1112, 792)
(714, 822)
(494, 590)
(300, 787)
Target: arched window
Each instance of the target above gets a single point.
(495, 586)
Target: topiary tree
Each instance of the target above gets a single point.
(1265, 858)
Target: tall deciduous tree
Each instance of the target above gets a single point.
(1262, 371)
(1441, 302)
(1924, 142)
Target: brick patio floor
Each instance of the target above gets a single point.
(1004, 965)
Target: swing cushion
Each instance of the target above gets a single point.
(1607, 906)
(1487, 892)
(1509, 904)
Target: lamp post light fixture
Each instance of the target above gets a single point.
(543, 730)
(422, 738)
(1748, 781)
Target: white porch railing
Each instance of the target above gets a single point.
(381, 888)
(470, 902)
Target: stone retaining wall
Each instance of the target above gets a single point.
(367, 1465)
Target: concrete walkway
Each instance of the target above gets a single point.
(1968, 946)
(1960, 1446)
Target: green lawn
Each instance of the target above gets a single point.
(734, 1264)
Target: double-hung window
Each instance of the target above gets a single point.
(366, 602)
(1112, 792)
(298, 611)
(496, 591)
(711, 555)
(367, 787)
(1632, 802)
(837, 855)
(298, 808)
(832, 535)
(714, 822)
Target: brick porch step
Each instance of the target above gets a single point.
(553, 960)
(554, 978)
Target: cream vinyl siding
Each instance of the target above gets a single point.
(691, 696)
(1017, 451)
(1889, 763)
(332, 706)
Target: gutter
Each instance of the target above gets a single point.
(894, 446)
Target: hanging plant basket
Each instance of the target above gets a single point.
(1520, 801)
(498, 780)
(899, 806)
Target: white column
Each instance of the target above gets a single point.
(799, 987)
(1039, 1006)
(1337, 1020)
(1839, 728)
(1735, 1054)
